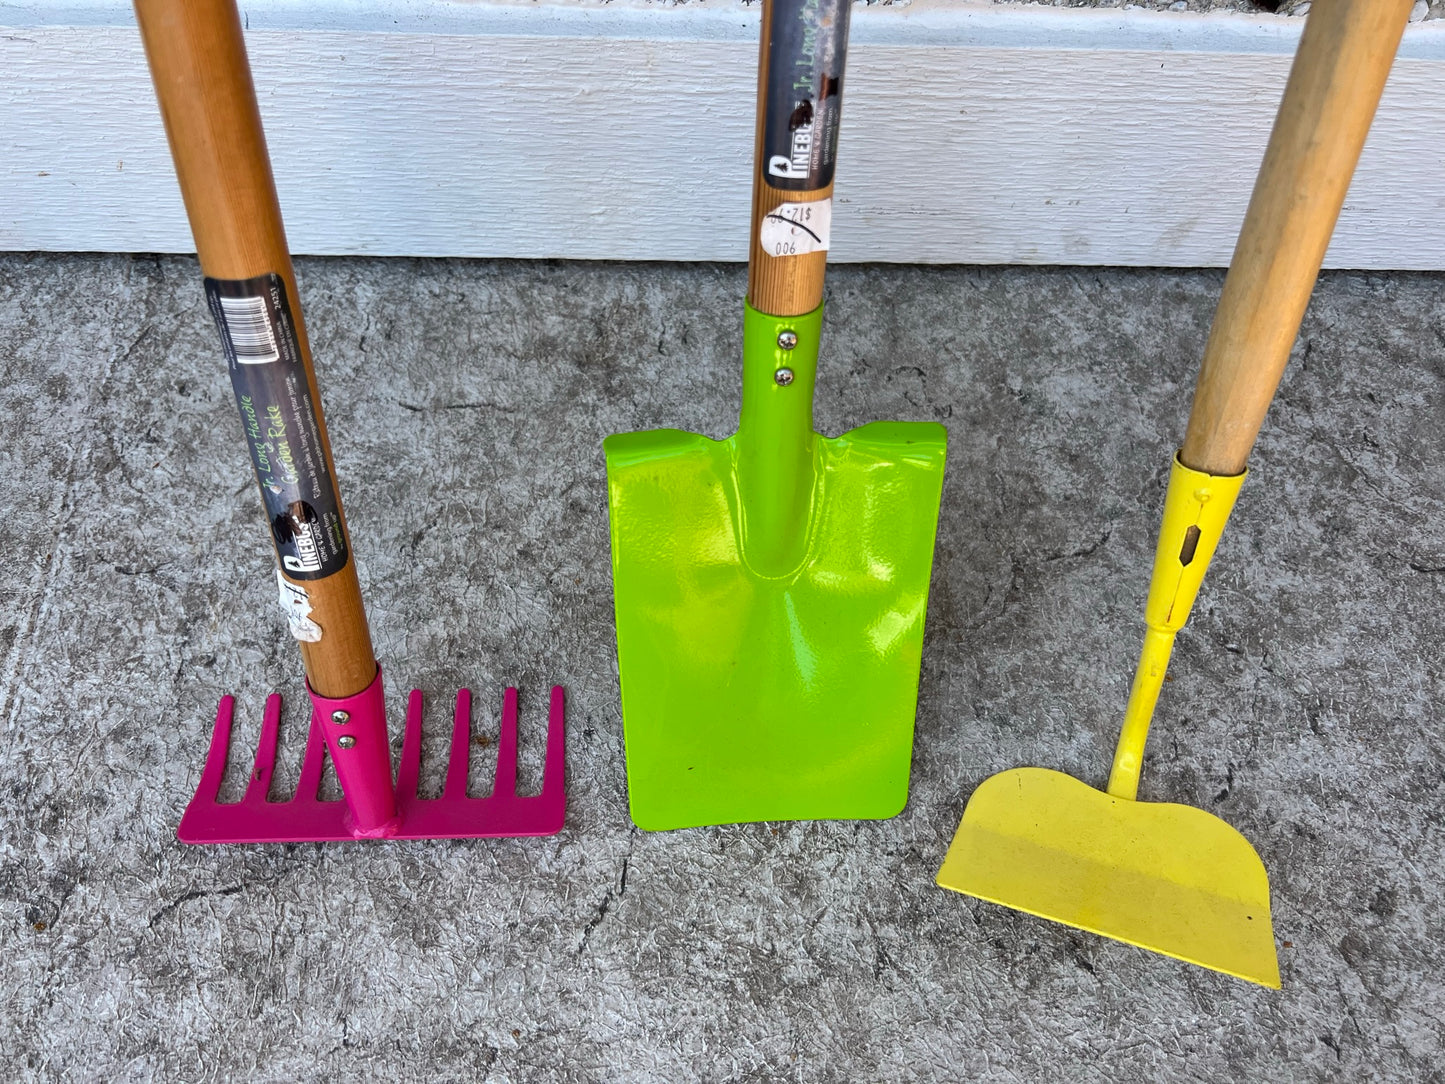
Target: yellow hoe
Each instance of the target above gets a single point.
(1173, 878)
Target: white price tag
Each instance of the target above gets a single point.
(795, 229)
(296, 605)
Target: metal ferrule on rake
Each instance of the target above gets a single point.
(353, 732)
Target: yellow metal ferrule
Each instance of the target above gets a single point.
(1196, 508)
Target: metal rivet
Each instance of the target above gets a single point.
(787, 339)
(784, 377)
(340, 717)
(346, 741)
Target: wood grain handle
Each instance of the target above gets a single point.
(790, 285)
(1334, 85)
(198, 62)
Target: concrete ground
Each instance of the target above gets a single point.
(468, 402)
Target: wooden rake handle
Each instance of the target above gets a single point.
(1334, 86)
(203, 82)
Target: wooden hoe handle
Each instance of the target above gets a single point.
(1334, 86)
(198, 62)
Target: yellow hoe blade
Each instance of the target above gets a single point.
(1170, 878)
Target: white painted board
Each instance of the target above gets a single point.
(971, 134)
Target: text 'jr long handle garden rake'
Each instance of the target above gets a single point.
(203, 82)
(1167, 877)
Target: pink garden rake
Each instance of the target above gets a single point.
(203, 82)
(401, 813)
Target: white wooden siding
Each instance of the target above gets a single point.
(971, 134)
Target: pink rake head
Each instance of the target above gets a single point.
(352, 730)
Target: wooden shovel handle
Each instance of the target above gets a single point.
(779, 285)
(1334, 86)
(198, 62)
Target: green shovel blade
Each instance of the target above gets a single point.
(770, 592)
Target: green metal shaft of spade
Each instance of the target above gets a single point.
(776, 445)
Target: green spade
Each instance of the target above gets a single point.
(770, 592)
(771, 587)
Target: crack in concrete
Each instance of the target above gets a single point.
(187, 897)
(605, 905)
(1082, 551)
(422, 408)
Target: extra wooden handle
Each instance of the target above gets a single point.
(778, 285)
(198, 61)
(1334, 86)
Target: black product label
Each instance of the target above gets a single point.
(805, 92)
(259, 336)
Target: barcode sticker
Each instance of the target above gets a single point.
(248, 326)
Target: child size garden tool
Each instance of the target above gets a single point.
(770, 588)
(203, 82)
(1173, 878)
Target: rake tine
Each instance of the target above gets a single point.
(212, 775)
(506, 780)
(308, 788)
(554, 765)
(456, 784)
(409, 771)
(260, 785)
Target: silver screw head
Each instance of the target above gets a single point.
(787, 339)
(340, 718)
(784, 377)
(346, 741)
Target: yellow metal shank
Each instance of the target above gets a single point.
(1196, 508)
